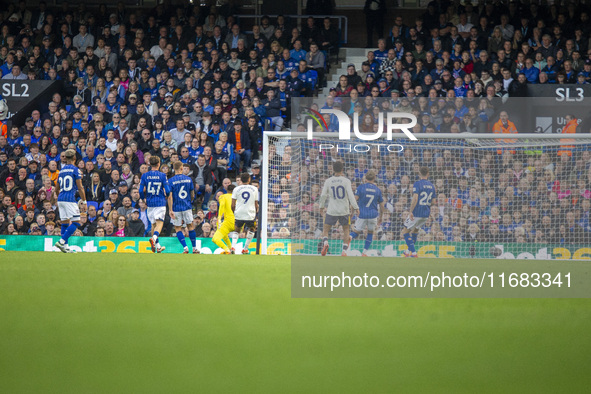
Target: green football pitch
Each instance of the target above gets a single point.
(131, 323)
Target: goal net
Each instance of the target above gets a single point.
(518, 196)
(499, 192)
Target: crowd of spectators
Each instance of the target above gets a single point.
(186, 83)
(504, 45)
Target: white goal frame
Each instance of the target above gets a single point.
(267, 135)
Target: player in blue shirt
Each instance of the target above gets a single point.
(69, 182)
(423, 193)
(154, 189)
(183, 193)
(371, 206)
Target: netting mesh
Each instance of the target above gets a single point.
(495, 198)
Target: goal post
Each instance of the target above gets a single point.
(499, 195)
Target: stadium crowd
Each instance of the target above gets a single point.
(192, 84)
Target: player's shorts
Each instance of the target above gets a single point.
(183, 218)
(239, 224)
(361, 224)
(69, 210)
(414, 224)
(156, 213)
(332, 220)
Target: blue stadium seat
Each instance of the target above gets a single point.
(94, 204)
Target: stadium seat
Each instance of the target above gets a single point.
(94, 204)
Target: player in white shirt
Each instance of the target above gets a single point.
(338, 192)
(245, 204)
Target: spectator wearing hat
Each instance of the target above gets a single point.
(168, 101)
(11, 188)
(261, 49)
(586, 71)
(384, 89)
(419, 52)
(179, 78)
(295, 85)
(28, 127)
(17, 152)
(123, 189)
(438, 87)
(114, 200)
(135, 226)
(399, 49)
(362, 74)
(256, 175)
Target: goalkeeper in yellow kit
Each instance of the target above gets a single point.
(225, 227)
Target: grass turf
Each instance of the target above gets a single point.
(123, 323)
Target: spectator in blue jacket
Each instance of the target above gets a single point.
(531, 73)
(309, 77)
(297, 53)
